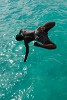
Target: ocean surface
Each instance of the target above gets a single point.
(44, 75)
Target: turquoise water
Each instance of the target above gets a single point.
(44, 75)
